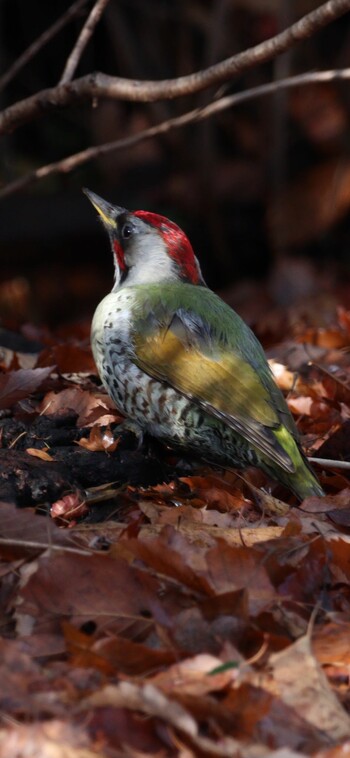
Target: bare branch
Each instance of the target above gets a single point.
(83, 40)
(198, 114)
(330, 463)
(40, 42)
(99, 85)
(32, 544)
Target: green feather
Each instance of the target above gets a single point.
(189, 338)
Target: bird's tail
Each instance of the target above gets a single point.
(304, 484)
(302, 481)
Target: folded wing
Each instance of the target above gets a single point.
(204, 350)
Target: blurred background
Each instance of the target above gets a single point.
(262, 189)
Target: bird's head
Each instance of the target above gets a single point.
(147, 248)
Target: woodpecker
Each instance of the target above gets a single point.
(181, 364)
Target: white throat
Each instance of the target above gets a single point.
(149, 264)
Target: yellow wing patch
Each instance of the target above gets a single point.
(226, 386)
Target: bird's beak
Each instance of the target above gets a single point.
(107, 211)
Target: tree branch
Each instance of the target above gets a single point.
(330, 463)
(99, 85)
(40, 42)
(82, 41)
(72, 162)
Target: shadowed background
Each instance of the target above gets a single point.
(262, 189)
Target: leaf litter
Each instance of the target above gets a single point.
(198, 614)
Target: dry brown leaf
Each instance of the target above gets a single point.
(187, 514)
(10, 359)
(55, 738)
(99, 440)
(331, 338)
(36, 453)
(215, 492)
(16, 385)
(344, 318)
(201, 534)
(69, 507)
(287, 380)
(234, 568)
(85, 587)
(340, 751)
(149, 700)
(268, 502)
(90, 406)
(68, 358)
(24, 533)
(302, 684)
(307, 406)
(194, 676)
(129, 657)
(331, 643)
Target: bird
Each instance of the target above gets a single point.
(180, 364)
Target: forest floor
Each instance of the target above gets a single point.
(152, 606)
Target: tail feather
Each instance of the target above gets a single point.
(305, 484)
(302, 481)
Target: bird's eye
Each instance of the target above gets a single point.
(126, 231)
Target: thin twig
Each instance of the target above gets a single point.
(82, 41)
(99, 85)
(40, 42)
(72, 162)
(43, 546)
(329, 463)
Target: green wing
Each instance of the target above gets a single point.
(189, 338)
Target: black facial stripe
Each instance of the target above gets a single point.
(123, 274)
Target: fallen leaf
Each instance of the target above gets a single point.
(37, 453)
(56, 738)
(344, 318)
(90, 406)
(16, 385)
(235, 568)
(129, 657)
(331, 643)
(260, 716)
(182, 514)
(215, 492)
(99, 440)
(149, 700)
(69, 508)
(194, 676)
(68, 358)
(23, 533)
(82, 588)
(303, 685)
(286, 379)
(327, 503)
(268, 502)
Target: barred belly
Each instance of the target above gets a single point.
(154, 406)
(165, 414)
